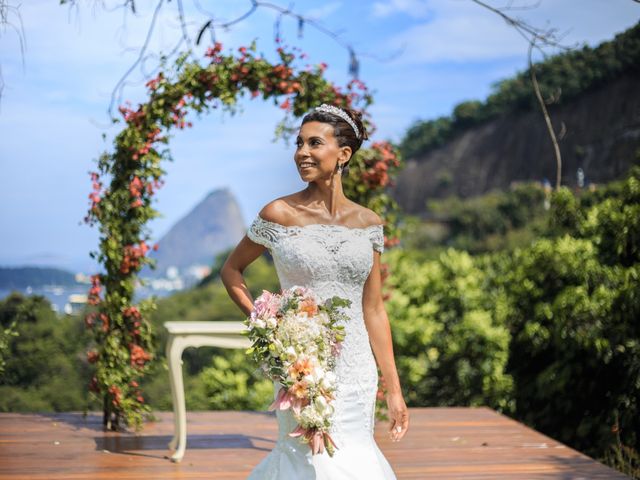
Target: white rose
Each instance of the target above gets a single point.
(291, 354)
(318, 374)
(323, 318)
(310, 417)
(272, 322)
(328, 381)
(320, 404)
(324, 410)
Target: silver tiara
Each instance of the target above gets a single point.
(341, 113)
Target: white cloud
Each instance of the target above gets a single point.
(458, 32)
(320, 13)
(459, 39)
(462, 31)
(413, 8)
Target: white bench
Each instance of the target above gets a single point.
(194, 334)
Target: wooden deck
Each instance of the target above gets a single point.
(443, 443)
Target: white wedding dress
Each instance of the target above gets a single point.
(331, 260)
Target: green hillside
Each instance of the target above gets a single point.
(21, 277)
(562, 78)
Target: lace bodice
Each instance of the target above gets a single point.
(330, 259)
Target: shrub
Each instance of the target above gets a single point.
(450, 348)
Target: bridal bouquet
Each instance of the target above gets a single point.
(295, 340)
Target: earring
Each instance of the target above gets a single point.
(340, 168)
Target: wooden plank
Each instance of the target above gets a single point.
(443, 444)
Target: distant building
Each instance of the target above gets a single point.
(76, 303)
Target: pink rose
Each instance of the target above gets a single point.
(266, 305)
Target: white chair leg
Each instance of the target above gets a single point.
(172, 368)
(180, 413)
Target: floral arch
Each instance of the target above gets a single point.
(121, 330)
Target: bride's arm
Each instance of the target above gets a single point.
(231, 273)
(377, 323)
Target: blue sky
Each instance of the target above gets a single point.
(54, 107)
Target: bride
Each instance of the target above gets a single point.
(320, 239)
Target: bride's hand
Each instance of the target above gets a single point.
(398, 416)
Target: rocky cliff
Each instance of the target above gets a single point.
(602, 136)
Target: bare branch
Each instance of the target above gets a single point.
(244, 16)
(183, 25)
(537, 39)
(8, 15)
(117, 91)
(510, 7)
(212, 24)
(541, 37)
(547, 118)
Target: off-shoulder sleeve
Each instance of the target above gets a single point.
(376, 236)
(263, 232)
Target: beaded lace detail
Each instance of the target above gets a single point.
(331, 260)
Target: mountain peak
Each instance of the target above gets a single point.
(213, 225)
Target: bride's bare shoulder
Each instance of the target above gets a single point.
(367, 217)
(278, 210)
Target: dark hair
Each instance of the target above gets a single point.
(344, 133)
